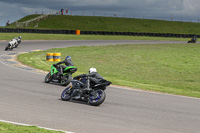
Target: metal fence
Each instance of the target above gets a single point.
(123, 15)
(26, 23)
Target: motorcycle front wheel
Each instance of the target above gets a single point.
(66, 94)
(97, 98)
(48, 78)
(6, 48)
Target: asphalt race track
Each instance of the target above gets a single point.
(25, 98)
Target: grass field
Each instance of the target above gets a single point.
(168, 68)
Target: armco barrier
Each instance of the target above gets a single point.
(48, 31)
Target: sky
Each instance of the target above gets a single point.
(178, 10)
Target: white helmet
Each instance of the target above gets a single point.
(92, 70)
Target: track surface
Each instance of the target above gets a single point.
(25, 98)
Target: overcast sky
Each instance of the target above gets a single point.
(13, 10)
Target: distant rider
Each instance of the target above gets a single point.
(194, 38)
(68, 62)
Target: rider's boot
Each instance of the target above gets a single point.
(60, 72)
(76, 94)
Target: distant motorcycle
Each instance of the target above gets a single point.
(63, 79)
(192, 40)
(82, 90)
(13, 43)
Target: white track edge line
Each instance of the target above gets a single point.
(21, 124)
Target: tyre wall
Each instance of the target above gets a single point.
(49, 31)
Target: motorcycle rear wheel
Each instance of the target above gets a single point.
(99, 100)
(66, 80)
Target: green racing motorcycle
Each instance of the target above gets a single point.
(63, 79)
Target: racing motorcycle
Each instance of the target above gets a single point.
(63, 79)
(81, 89)
(10, 45)
(192, 40)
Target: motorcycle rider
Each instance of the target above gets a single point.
(68, 62)
(194, 38)
(94, 79)
(95, 76)
(19, 39)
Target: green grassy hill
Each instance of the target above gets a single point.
(92, 23)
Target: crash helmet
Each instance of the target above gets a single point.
(91, 70)
(68, 57)
(19, 37)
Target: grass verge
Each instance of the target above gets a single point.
(10, 128)
(168, 68)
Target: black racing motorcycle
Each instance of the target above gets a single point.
(82, 90)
